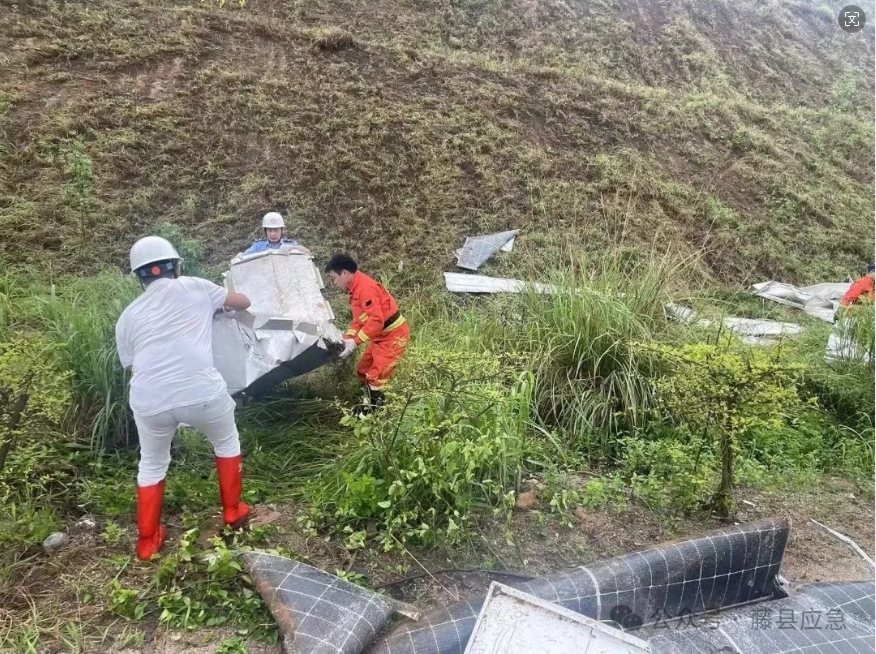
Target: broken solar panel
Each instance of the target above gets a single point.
(728, 567)
(821, 617)
(478, 249)
(317, 612)
(724, 575)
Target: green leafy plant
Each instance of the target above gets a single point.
(34, 392)
(450, 438)
(234, 645)
(193, 589)
(112, 533)
(722, 392)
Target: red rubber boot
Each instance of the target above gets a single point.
(234, 512)
(150, 500)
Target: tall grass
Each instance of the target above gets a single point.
(858, 328)
(79, 314)
(844, 387)
(593, 378)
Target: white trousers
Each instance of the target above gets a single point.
(215, 419)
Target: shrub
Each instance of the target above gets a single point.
(450, 438)
(34, 393)
(722, 392)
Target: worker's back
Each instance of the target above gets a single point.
(166, 336)
(365, 290)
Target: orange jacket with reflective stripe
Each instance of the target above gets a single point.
(856, 290)
(375, 312)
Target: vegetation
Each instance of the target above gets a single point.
(583, 379)
(736, 127)
(650, 152)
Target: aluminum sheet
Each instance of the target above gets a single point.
(819, 300)
(287, 331)
(465, 283)
(477, 249)
(281, 284)
(514, 622)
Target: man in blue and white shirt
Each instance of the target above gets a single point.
(273, 225)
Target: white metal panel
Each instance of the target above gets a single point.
(514, 622)
(288, 315)
(465, 283)
(477, 249)
(281, 284)
(819, 300)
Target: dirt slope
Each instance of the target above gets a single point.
(742, 127)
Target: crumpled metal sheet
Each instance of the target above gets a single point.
(287, 331)
(819, 300)
(753, 331)
(477, 249)
(318, 613)
(842, 347)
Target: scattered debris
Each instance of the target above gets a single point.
(515, 622)
(85, 524)
(465, 283)
(287, 331)
(841, 345)
(847, 541)
(728, 570)
(55, 541)
(819, 301)
(477, 249)
(753, 331)
(261, 515)
(680, 312)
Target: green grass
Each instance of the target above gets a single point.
(715, 128)
(593, 378)
(79, 314)
(736, 134)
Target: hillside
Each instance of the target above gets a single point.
(741, 127)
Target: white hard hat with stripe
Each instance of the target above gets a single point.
(152, 249)
(273, 219)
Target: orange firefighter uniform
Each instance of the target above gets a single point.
(378, 323)
(861, 287)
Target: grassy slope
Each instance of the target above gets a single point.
(740, 126)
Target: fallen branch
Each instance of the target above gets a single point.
(847, 541)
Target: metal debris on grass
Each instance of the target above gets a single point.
(819, 300)
(477, 249)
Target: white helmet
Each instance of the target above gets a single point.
(272, 219)
(151, 249)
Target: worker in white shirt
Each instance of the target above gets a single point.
(164, 337)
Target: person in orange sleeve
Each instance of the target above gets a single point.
(377, 322)
(861, 287)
